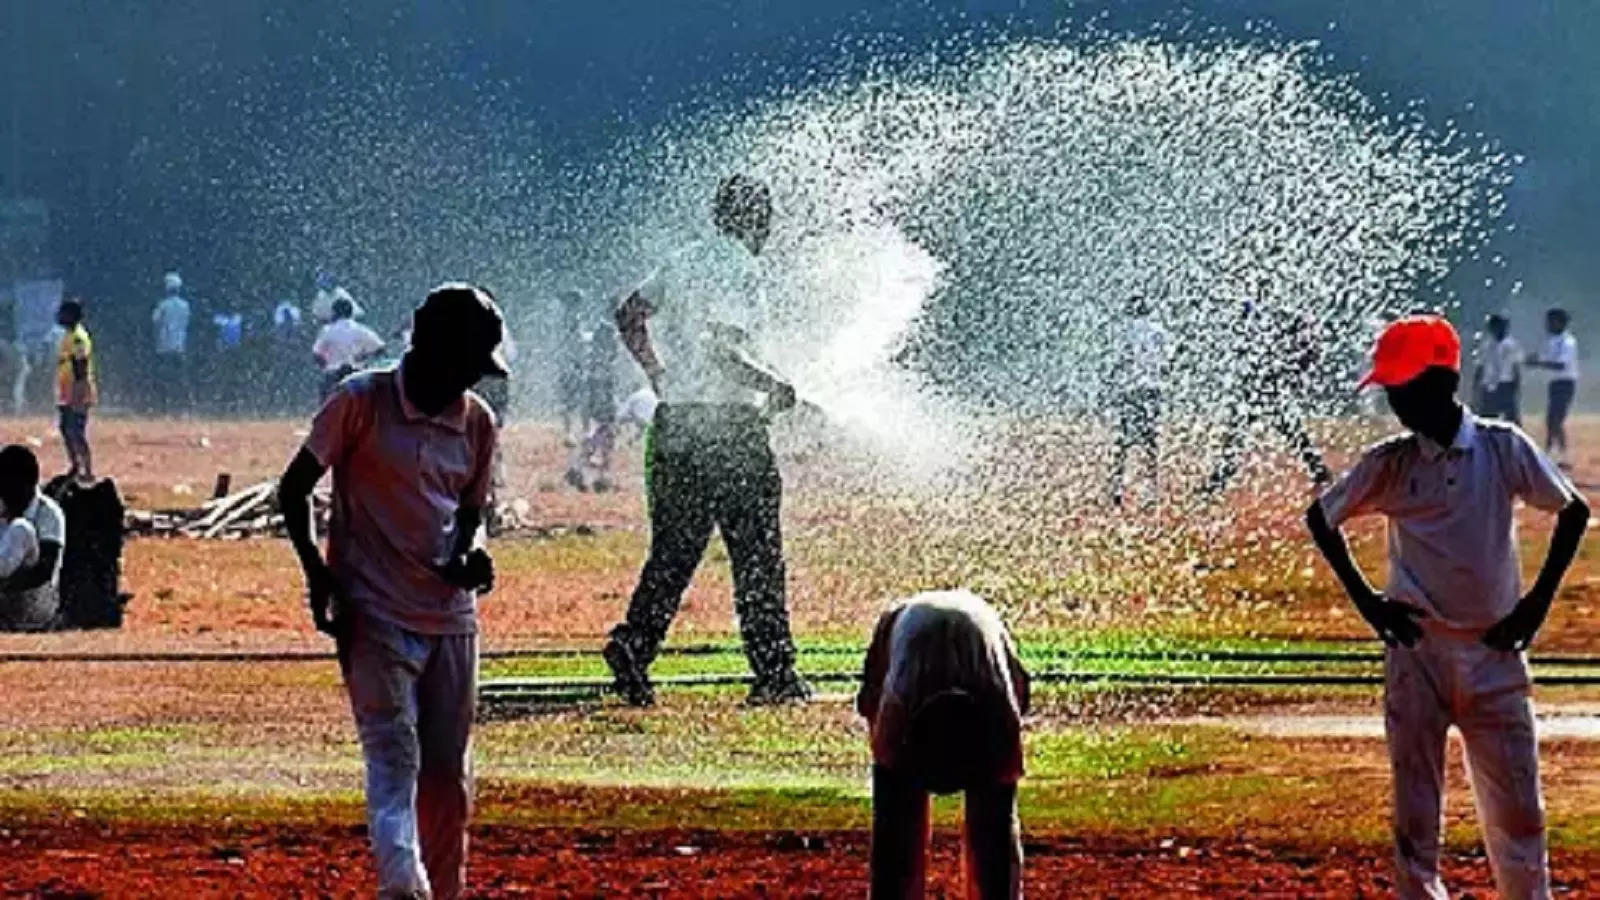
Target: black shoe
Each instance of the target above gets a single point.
(779, 690)
(629, 680)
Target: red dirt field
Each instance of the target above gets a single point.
(81, 860)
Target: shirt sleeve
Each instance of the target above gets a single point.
(479, 487)
(17, 543)
(319, 348)
(1535, 479)
(1362, 490)
(80, 346)
(371, 342)
(336, 426)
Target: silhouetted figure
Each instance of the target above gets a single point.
(712, 465)
(1275, 351)
(411, 449)
(29, 582)
(1138, 383)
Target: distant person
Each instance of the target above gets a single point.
(571, 356)
(1274, 351)
(1560, 358)
(14, 364)
(944, 693)
(1453, 615)
(171, 320)
(343, 346)
(76, 391)
(35, 533)
(599, 412)
(711, 461)
(1138, 380)
(410, 449)
(1499, 373)
(329, 292)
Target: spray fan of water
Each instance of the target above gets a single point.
(956, 238)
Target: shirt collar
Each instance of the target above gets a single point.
(1466, 438)
(454, 416)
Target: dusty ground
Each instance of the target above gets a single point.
(242, 779)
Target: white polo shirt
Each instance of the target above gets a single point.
(1452, 537)
(1562, 349)
(36, 608)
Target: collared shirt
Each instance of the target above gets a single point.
(1452, 537)
(344, 344)
(399, 478)
(705, 298)
(934, 642)
(1562, 349)
(1145, 352)
(75, 345)
(171, 319)
(36, 608)
(1500, 360)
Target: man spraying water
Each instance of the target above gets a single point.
(688, 326)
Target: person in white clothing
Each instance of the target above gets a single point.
(1136, 384)
(1453, 615)
(30, 548)
(1560, 358)
(1499, 374)
(343, 346)
(171, 321)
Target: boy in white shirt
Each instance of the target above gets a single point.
(1453, 615)
(343, 346)
(1560, 358)
(1500, 371)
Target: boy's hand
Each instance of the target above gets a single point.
(472, 571)
(1395, 623)
(327, 600)
(1515, 632)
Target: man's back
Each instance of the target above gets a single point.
(172, 325)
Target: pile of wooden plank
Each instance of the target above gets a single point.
(251, 512)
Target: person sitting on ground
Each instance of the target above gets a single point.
(1453, 615)
(343, 346)
(1560, 358)
(944, 695)
(35, 532)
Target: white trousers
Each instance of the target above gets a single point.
(414, 697)
(1455, 680)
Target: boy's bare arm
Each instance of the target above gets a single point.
(633, 326)
(1516, 631)
(1394, 622)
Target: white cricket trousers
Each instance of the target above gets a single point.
(414, 697)
(1449, 679)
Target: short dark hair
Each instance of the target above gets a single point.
(18, 467)
(343, 309)
(71, 308)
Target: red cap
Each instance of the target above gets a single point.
(1411, 346)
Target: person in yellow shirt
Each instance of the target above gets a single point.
(75, 388)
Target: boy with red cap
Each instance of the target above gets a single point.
(1452, 615)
